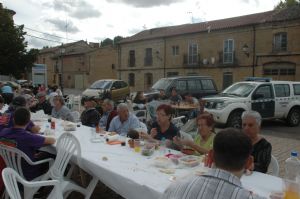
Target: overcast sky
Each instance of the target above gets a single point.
(95, 20)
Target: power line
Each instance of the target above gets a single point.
(43, 38)
(49, 34)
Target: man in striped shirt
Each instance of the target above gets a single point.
(231, 155)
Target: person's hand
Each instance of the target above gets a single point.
(35, 129)
(144, 135)
(153, 132)
(177, 140)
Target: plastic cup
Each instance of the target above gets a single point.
(137, 145)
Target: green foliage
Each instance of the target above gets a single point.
(287, 3)
(14, 58)
(117, 39)
(106, 42)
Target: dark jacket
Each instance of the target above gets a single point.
(90, 117)
(45, 106)
(112, 114)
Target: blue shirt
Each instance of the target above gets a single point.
(122, 128)
(6, 89)
(103, 120)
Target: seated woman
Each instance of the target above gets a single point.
(60, 110)
(140, 98)
(204, 140)
(163, 128)
(262, 149)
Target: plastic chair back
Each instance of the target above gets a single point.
(274, 166)
(76, 116)
(11, 179)
(67, 146)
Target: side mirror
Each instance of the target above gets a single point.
(257, 96)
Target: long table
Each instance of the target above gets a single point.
(134, 176)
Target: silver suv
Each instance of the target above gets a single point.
(272, 99)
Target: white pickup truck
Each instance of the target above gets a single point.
(272, 99)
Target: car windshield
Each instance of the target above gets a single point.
(162, 84)
(101, 85)
(240, 89)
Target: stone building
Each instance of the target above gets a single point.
(78, 64)
(263, 44)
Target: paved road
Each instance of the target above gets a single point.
(280, 129)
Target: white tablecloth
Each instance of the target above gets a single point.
(134, 176)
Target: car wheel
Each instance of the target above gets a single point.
(235, 120)
(293, 118)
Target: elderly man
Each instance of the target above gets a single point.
(125, 121)
(108, 114)
(90, 116)
(262, 149)
(42, 104)
(231, 155)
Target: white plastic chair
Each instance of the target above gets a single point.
(70, 101)
(77, 103)
(67, 146)
(141, 115)
(189, 126)
(76, 116)
(274, 166)
(11, 179)
(13, 158)
(185, 136)
(177, 121)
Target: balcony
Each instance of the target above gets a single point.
(192, 61)
(228, 59)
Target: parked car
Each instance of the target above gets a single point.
(272, 99)
(198, 86)
(110, 88)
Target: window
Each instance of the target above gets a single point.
(148, 57)
(172, 74)
(148, 79)
(296, 89)
(131, 58)
(194, 85)
(207, 84)
(131, 79)
(282, 90)
(228, 51)
(123, 84)
(116, 85)
(264, 91)
(44, 60)
(181, 85)
(280, 41)
(175, 50)
(193, 53)
(281, 71)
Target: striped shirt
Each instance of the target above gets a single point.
(216, 184)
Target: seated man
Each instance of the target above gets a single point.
(175, 97)
(7, 118)
(90, 116)
(231, 155)
(125, 121)
(26, 142)
(192, 101)
(61, 111)
(42, 104)
(108, 114)
(262, 149)
(162, 95)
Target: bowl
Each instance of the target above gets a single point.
(148, 150)
(162, 162)
(174, 158)
(189, 160)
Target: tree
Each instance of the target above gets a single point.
(117, 39)
(14, 58)
(106, 42)
(287, 3)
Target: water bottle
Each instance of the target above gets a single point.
(163, 145)
(47, 130)
(292, 166)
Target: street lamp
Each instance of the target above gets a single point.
(62, 51)
(246, 50)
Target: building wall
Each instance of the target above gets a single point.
(102, 64)
(210, 44)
